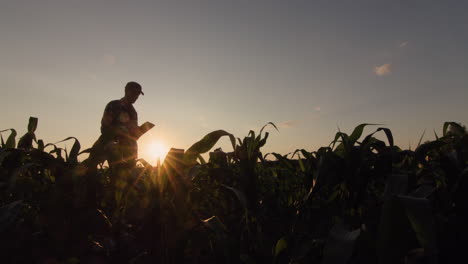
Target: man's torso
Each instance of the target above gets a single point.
(118, 114)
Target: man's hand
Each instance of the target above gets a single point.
(134, 131)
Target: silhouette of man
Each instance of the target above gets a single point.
(119, 132)
(118, 141)
(119, 127)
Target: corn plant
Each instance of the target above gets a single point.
(358, 199)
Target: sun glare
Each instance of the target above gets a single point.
(156, 150)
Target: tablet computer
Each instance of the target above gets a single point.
(145, 127)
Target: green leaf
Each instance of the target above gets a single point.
(40, 145)
(345, 145)
(75, 150)
(357, 132)
(240, 195)
(57, 151)
(301, 164)
(269, 123)
(419, 213)
(26, 141)
(445, 128)
(387, 132)
(11, 141)
(436, 136)
(73, 156)
(421, 138)
(88, 150)
(404, 219)
(299, 159)
(263, 141)
(251, 134)
(306, 154)
(217, 227)
(194, 171)
(453, 128)
(340, 245)
(201, 159)
(335, 140)
(282, 159)
(205, 144)
(280, 246)
(32, 125)
(422, 150)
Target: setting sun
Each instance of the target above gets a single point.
(156, 150)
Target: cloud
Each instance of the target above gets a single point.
(403, 44)
(289, 124)
(384, 69)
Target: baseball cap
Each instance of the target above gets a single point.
(133, 87)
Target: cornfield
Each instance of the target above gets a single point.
(358, 200)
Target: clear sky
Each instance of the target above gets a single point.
(308, 66)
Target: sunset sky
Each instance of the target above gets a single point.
(311, 67)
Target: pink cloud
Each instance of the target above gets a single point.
(384, 69)
(289, 124)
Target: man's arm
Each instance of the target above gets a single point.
(132, 125)
(109, 122)
(134, 130)
(139, 131)
(107, 119)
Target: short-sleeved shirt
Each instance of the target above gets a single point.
(120, 115)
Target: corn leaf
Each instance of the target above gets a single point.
(11, 140)
(357, 132)
(281, 245)
(240, 195)
(421, 138)
(419, 213)
(40, 145)
(32, 125)
(205, 144)
(75, 150)
(269, 123)
(340, 245)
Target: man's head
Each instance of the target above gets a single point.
(132, 91)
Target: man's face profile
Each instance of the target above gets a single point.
(132, 92)
(133, 96)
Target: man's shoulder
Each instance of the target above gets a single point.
(113, 104)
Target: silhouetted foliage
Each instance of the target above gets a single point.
(354, 201)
